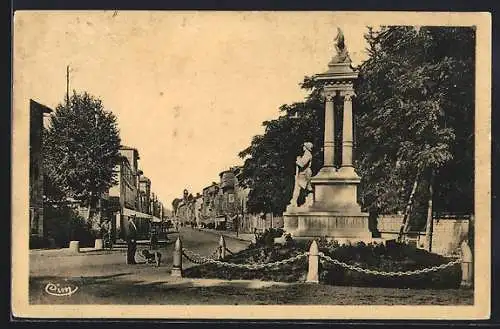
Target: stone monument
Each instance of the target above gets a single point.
(303, 176)
(334, 211)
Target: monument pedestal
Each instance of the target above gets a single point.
(336, 190)
(329, 224)
(334, 212)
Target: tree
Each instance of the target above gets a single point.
(269, 165)
(415, 116)
(175, 205)
(81, 148)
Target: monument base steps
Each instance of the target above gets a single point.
(335, 225)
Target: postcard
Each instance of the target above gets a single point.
(251, 165)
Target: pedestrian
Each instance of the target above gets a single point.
(106, 226)
(131, 241)
(153, 239)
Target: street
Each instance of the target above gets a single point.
(63, 265)
(50, 266)
(102, 277)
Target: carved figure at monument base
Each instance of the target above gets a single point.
(302, 192)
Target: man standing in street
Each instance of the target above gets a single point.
(131, 241)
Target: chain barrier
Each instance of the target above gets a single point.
(215, 254)
(260, 266)
(383, 273)
(244, 252)
(198, 259)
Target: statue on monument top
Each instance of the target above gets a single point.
(302, 188)
(342, 55)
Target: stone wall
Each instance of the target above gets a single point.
(251, 221)
(389, 224)
(448, 232)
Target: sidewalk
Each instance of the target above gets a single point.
(119, 246)
(241, 236)
(68, 252)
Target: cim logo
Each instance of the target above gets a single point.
(56, 289)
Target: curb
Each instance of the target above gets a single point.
(65, 252)
(141, 244)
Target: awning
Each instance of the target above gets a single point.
(130, 212)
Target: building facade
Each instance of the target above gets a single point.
(145, 195)
(124, 197)
(225, 204)
(222, 202)
(37, 112)
(198, 207)
(210, 202)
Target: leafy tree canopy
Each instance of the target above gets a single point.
(415, 113)
(81, 148)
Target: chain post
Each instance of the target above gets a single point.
(222, 248)
(74, 246)
(467, 265)
(312, 273)
(177, 261)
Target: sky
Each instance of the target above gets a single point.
(190, 89)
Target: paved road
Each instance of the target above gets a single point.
(59, 264)
(104, 278)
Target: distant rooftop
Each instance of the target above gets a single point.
(124, 147)
(43, 108)
(213, 185)
(144, 179)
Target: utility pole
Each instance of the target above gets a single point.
(67, 85)
(99, 194)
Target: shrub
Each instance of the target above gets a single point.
(37, 242)
(388, 258)
(292, 272)
(375, 256)
(62, 223)
(267, 237)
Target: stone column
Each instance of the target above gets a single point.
(329, 140)
(177, 259)
(347, 131)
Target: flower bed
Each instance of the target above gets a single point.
(292, 272)
(392, 257)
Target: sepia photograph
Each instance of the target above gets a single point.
(251, 165)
